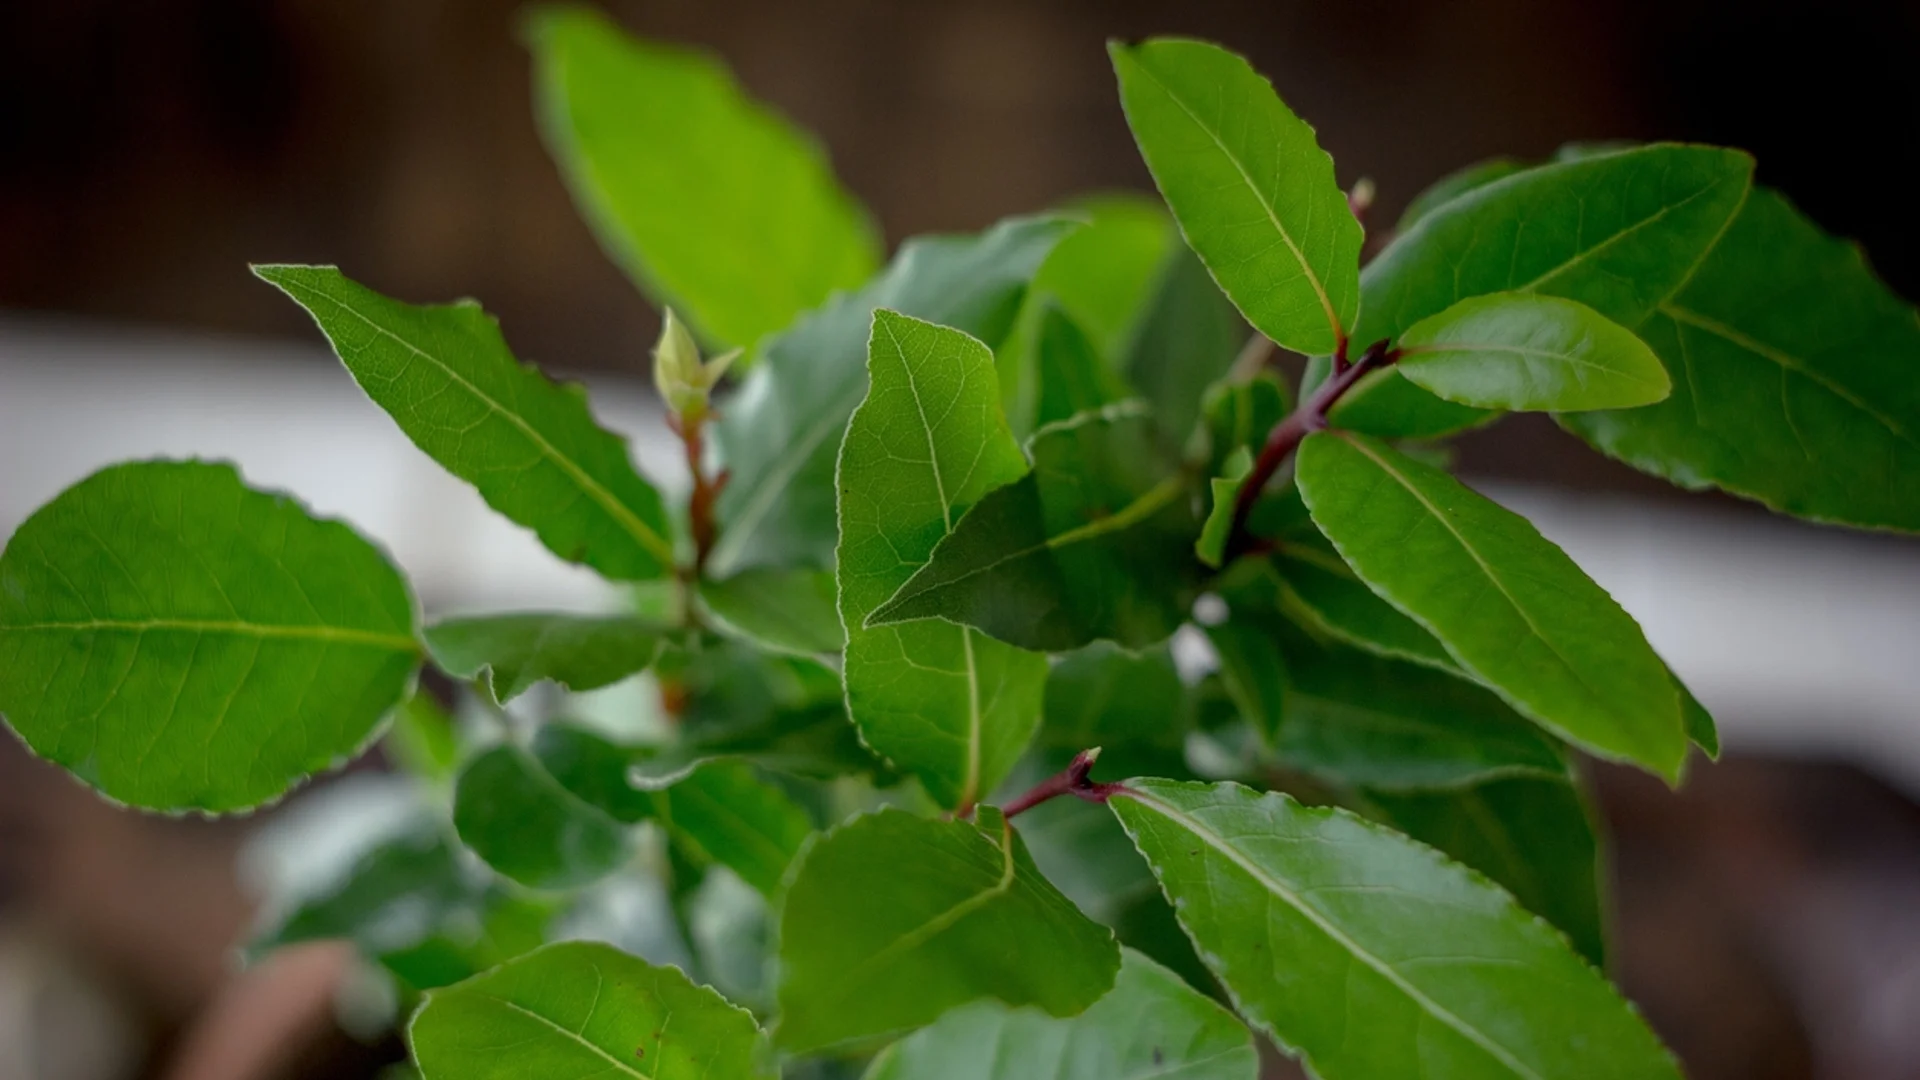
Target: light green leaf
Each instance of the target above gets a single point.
(1102, 275)
(1211, 548)
(1072, 375)
(724, 812)
(1095, 542)
(709, 200)
(1108, 697)
(1511, 608)
(781, 433)
(1532, 835)
(517, 651)
(1150, 1025)
(783, 610)
(179, 641)
(943, 702)
(422, 740)
(892, 919)
(515, 815)
(1522, 351)
(1322, 924)
(1452, 186)
(1185, 342)
(1797, 379)
(1253, 192)
(531, 447)
(1618, 233)
(579, 1009)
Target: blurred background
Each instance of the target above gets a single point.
(1768, 915)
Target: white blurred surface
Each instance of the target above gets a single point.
(1800, 639)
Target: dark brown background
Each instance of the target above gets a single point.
(148, 150)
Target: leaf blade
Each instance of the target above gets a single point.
(1520, 352)
(519, 650)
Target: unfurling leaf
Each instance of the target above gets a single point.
(1520, 351)
(180, 641)
(580, 652)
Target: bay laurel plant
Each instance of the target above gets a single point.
(923, 791)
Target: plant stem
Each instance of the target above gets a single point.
(1071, 780)
(700, 504)
(1308, 417)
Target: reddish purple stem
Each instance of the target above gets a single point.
(1071, 780)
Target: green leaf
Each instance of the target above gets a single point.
(593, 770)
(392, 897)
(783, 610)
(515, 815)
(892, 919)
(179, 641)
(1522, 351)
(1794, 372)
(1102, 275)
(1149, 1025)
(943, 702)
(1253, 672)
(1095, 542)
(471, 941)
(784, 713)
(709, 200)
(1701, 730)
(1240, 415)
(529, 446)
(1106, 696)
(1618, 233)
(1186, 341)
(1211, 548)
(518, 651)
(1512, 609)
(1253, 192)
(781, 433)
(1322, 925)
(724, 812)
(579, 1009)
(1452, 186)
(422, 740)
(1073, 377)
(1532, 835)
(1366, 720)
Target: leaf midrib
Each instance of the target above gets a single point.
(238, 628)
(614, 1062)
(1287, 896)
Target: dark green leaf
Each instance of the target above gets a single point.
(1795, 379)
(1185, 342)
(580, 652)
(1106, 696)
(892, 919)
(1523, 351)
(1240, 415)
(1533, 836)
(1323, 925)
(1150, 1025)
(531, 447)
(724, 812)
(1095, 542)
(709, 200)
(392, 897)
(943, 702)
(1452, 186)
(781, 433)
(1073, 377)
(1511, 608)
(593, 770)
(784, 610)
(1251, 188)
(580, 1009)
(1253, 672)
(179, 641)
(1618, 233)
(1701, 730)
(514, 814)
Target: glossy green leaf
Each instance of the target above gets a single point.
(1186, 341)
(892, 919)
(515, 815)
(1523, 351)
(1253, 192)
(1322, 924)
(710, 201)
(578, 1009)
(784, 610)
(530, 446)
(1532, 835)
(1072, 375)
(781, 433)
(1211, 548)
(1795, 379)
(1150, 1025)
(943, 702)
(1096, 542)
(1452, 186)
(1511, 608)
(179, 641)
(1619, 233)
(515, 652)
(1109, 697)
(1254, 673)
(724, 812)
